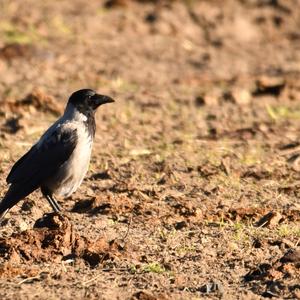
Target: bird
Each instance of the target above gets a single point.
(59, 160)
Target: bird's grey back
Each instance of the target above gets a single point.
(71, 115)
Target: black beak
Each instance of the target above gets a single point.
(101, 99)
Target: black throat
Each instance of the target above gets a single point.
(90, 123)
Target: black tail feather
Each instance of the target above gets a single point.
(12, 197)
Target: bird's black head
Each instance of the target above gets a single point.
(87, 100)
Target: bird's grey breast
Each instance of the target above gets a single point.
(71, 173)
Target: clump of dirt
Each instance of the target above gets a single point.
(52, 240)
(34, 101)
(14, 50)
(105, 205)
(258, 216)
(269, 85)
(270, 219)
(10, 270)
(142, 295)
(41, 102)
(239, 214)
(271, 275)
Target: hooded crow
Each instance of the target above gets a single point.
(58, 162)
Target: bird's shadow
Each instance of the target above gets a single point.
(91, 206)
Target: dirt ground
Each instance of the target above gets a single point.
(193, 188)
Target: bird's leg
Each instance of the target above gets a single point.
(53, 203)
(48, 195)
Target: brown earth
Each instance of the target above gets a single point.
(193, 189)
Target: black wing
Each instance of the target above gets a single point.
(42, 161)
(38, 164)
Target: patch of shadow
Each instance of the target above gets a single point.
(12, 125)
(259, 273)
(101, 176)
(91, 206)
(269, 87)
